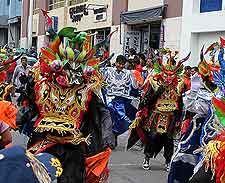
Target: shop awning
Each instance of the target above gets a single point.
(4, 20)
(142, 16)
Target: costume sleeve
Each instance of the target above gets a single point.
(15, 74)
(26, 114)
(150, 97)
(220, 56)
(134, 83)
(3, 127)
(97, 123)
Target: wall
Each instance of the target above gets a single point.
(172, 32)
(119, 6)
(24, 18)
(196, 25)
(116, 46)
(15, 8)
(173, 8)
(3, 36)
(4, 8)
(143, 4)
(35, 24)
(87, 22)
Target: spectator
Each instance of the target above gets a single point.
(20, 70)
(10, 70)
(194, 70)
(131, 53)
(187, 78)
(142, 59)
(33, 52)
(148, 68)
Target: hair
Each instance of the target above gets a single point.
(187, 68)
(24, 58)
(121, 59)
(142, 56)
(195, 68)
(132, 51)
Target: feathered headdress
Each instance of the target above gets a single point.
(67, 61)
(171, 66)
(203, 66)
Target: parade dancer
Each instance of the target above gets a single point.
(160, 111)
(120, 85)
(72, 122)
(202, 105)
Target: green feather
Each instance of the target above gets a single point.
(70, 53)
(57, 57)
(68, 32)
(157, 68)
(81, 56)
(180, 70)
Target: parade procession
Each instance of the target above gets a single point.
(112, 91)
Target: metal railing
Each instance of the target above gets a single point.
(74, 2)
(36, 11)
(56, 4)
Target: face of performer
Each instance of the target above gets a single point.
(194, 70)
(120, 63)
(170, 78)
(24, 62)
(120, 66)
(187, 71)
(149, 63)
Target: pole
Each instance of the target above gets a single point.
(30, 24)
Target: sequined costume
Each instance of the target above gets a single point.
(120, 87)
(160, 111)
(65, 115)
(203, 106)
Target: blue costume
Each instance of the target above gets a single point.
(120, 93)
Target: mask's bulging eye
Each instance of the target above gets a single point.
(54, 98)
(70, 100)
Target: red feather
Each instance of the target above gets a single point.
(48, 55)
(219, 104)
(222, 42)
(49, 20)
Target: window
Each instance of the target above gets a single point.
(36, 7)
(8, 2)
(54, 4)
(210, 5)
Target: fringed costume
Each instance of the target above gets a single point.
(160, 110)
(64, 114)
(200, 151)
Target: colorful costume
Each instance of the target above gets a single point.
(18, 165)
(68, 119)
(119, 96)
(160, 110)
(204, 105)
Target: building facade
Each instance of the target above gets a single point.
(202, 23)
(10, 21)
(14, 23)
(94, 16)
(152, 24)
(4, 15)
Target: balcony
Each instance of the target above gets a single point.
(55, 4)
(75, 2)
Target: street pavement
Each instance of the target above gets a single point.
(126, 166)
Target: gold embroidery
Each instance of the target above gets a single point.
(56, 163)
